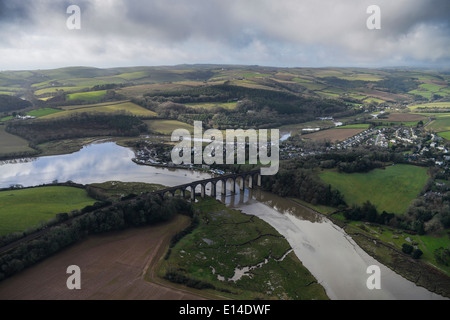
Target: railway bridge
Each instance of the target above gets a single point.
(246, 179)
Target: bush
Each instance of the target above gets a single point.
(417, 253)
(407, 248)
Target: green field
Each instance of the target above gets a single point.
(26, 208)
(391, 189)
(441, 124)
(166, 127)
(52, 90)
(355, 126)
(229, 105)
(227, 240)
(445, 135)
(12, 144)
(42, 112)
(107, 107)
(436, 105)
(89, 97)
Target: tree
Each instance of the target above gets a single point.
(369, 211)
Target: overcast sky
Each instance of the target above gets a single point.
(285, 33)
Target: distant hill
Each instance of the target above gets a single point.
(350, 85)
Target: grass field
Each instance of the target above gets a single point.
(445, 135)
(435, 105)
(441, 124)
(12, 144)
(166, 127)
(89, 97)
(22, 209)
(229, 106)
(108, 107)
(42, 112)
(391, 189)
(355, 126)
(227, 240)
(51, 90)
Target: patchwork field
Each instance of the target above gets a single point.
(22, 209)
(391, 189)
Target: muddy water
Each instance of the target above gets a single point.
(331, 256)
(338, 263)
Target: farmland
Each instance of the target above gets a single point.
(391, 189)
(11, 144)
(87, 97)
(23, 209)
(123, 106)
(113, 268)
(333, 135)
(166, 127)
(440, 124)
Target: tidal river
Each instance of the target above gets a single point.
(335, 260)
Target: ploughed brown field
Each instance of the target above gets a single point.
(112, 266)
(332, 135)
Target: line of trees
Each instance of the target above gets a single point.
(77, 126)
(302, 184)
(146, 209)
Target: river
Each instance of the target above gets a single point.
(336, 261)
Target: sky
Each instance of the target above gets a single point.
(34, 34)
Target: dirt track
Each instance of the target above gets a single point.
(112, 267)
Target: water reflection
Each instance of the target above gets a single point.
(94, 163)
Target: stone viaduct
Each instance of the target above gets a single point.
(244, 179)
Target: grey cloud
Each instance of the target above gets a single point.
(278, 32)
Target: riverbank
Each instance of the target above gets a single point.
(415, 270)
